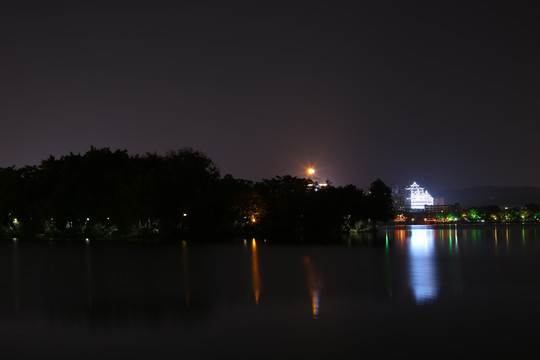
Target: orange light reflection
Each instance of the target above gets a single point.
(255, 276)
(313, 285)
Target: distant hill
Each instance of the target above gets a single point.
(491, 195)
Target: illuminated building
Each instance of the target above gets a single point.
(412, 197)
(418, 197)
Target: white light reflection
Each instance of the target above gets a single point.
(422, 269)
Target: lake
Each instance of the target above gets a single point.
(422, 291)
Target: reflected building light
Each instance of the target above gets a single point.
(422, 267)
(496, 239)
(450, 245)
(400, 238)
(314, 285)
(387, 267)
(255, 276)
(455, 235)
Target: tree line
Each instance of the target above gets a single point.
(110, 194)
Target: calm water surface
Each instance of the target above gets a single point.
(419, 290)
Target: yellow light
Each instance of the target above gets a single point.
(311, 171)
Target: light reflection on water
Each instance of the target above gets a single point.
(422, 266)
(268, 295)
(314, 285)
(255, 276)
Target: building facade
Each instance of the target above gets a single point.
(412, 197)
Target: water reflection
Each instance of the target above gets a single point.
(89, 288)
(16, 279)
(185, 272)
(387, 266)
(137, 293)
(496, 241)
(314, 285)
(255, 276)
(422, 267)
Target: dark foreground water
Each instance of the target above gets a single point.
(427, 292)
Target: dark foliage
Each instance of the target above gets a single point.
(105, 193)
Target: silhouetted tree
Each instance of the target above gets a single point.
(106, 193)
(380, 204)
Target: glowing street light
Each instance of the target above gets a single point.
(311, 171)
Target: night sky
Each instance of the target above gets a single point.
(444, 93)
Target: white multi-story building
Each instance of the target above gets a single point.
(418, 197)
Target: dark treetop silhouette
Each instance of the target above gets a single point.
(105, 193)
